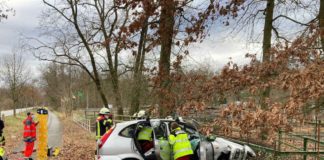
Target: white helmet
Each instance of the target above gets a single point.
(104, 110)
(141, 114)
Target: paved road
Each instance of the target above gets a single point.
(10, 112)
(54, 133)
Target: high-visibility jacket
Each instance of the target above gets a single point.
(180, 144)
(102, 126)
(29, 129)
(2, 152)
(145, 134)
(165, 151)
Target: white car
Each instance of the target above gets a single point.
(120, 143)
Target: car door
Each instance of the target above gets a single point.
(161, 143)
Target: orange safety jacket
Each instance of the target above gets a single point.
(29, 129)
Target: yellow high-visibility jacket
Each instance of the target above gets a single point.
(145, 134)
(180, 144)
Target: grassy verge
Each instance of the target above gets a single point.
(13, 132)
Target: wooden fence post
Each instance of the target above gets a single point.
(305, 148)
(318, 138)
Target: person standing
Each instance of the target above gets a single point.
(103, 122)
(29, 134)
(2, 140)
(180, 143)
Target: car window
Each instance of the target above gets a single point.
(128, 131)
(160, 131)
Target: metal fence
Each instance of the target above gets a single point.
(88, 120)
(83, 123)
(304, 142)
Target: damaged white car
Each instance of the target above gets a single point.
(120, 143)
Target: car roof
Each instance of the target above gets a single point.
(127, 123)
(143, 120)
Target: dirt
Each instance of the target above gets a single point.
(77, 143)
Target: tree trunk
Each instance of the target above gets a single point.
(138, 68)
(267, 45)
(102, 95)
(117, 95)
(321, 22)
(166, 37)
(267, 31)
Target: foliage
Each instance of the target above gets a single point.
(296, 69)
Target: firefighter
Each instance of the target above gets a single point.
(2, 141)
(180, 143)
(103, 122)
(145, 133)
(29, 134)
(2, 138)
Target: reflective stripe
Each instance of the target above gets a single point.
(180, 132)
(181, 140)
(98, 130)
(182, 150)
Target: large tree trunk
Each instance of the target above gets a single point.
(138, 68)
(267, 45)
(267, 31)
(321, 22)
(117, 95)
(166, 37)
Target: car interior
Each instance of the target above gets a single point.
(147, 156)
(161, 132)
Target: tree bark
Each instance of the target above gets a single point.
(166, 36)
(321, 22)
(267, 45)
(138, 68)
(267, 31)
(117, 95)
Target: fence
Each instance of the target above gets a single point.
(83, 123)
(87, 121)
(305, 142)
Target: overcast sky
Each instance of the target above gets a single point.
(215, 50)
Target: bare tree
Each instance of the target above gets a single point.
(4, 10)
(15, 75)
(88, 35)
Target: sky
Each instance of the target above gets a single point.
(215, 51)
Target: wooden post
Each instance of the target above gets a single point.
(305, 148)
(318, 138)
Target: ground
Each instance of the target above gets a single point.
(13, 132)
(77, 143)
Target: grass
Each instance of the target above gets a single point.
(13, 132)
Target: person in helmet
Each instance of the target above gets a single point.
(141, 114)
(103, 122)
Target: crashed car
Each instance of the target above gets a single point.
(120, 143)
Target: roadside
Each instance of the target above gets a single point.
(13, 132)
(77, 143)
